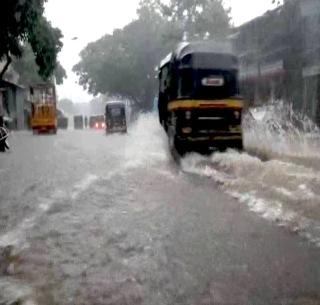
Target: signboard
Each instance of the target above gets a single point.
(213, 81)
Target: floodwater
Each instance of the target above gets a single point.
(278, 175)
(90, 219)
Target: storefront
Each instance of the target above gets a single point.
(12, 99)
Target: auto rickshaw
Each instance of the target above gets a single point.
(97, 122)
(43, 108)
(116, 117)
(199, 103)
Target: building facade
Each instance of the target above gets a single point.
(279, 56)
(13, 101)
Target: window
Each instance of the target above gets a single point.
(185, 83)
(115, 111)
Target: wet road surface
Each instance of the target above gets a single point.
(113, 220)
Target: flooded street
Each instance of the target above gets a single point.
(278, 175)
(89, 219)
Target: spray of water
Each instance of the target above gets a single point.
(275, 131)
(278, 174)
(146, 143)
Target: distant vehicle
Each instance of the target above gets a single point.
(115, 117)
(62, 120)
(91, 121)
(97, 122)
(43, 108)
(199, 106)
(78, 122)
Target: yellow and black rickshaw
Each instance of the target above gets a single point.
(199, 104)
(43, 108)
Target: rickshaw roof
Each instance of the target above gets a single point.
(115, 103)
(166, 60)
(198, 47)
(206, 46)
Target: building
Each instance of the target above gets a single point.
(13, 101)
(279, 56)
(310, 11)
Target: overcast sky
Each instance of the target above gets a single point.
(90, 19)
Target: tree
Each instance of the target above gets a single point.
(28, 70)
(123, 64)
(22, 21)
(277, 2)
(200, 18)
(59, 73)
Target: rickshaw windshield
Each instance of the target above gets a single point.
(207, 83)
(115, 111)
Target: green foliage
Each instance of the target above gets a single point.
(59, 73)
(22, 21)
(123, 64)
(277, 2)
(46, 44)
(29, 71)
(200, 18)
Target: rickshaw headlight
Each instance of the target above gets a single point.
(188, 115)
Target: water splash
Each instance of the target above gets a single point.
(276, 130)
(278, 176)
(146, 144)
